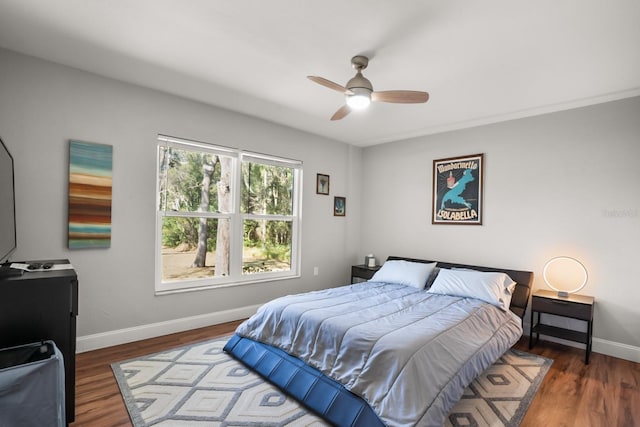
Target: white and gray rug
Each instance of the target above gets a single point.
(200, 385)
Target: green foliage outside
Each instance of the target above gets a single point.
(177, 231)
(266, 189)
(278, 244)
(181, 173)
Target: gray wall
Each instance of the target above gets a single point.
(43, 105)
(556, 184)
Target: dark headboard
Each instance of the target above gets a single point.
(523, 279)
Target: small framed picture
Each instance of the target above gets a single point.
(322, 184)
(339, 206)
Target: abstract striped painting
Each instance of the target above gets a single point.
(90, 171)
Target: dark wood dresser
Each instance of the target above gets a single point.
(43, 305)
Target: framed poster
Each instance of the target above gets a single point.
(322, 184)
(339, 206)
(457, 190)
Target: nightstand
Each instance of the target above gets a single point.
(363, 272)
(574, 306)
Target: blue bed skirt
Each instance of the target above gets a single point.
(327, 398)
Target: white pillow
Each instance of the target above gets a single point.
(509, 283)
(404, 272)
(494, 288)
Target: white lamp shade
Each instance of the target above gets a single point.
(565, 275)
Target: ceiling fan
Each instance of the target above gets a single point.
(359, 92)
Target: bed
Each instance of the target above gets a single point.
(397, 350)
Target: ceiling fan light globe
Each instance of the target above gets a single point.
(358, 102)
(359, 99)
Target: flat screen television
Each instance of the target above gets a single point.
(8, 240)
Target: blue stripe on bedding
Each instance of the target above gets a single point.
(307, 385)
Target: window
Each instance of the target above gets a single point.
(224, 216)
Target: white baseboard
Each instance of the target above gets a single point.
(610, 348)
(616, 349)
(137, 333)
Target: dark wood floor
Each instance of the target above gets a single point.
(604, 393)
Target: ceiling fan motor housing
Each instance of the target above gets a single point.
(359, 95)
(359, 82)
(360, 89)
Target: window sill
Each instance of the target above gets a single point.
(182, 287)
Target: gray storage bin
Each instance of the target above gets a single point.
(32, 386)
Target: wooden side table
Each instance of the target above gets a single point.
(574, 306)
(363, 272)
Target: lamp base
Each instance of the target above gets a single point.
(563, 294)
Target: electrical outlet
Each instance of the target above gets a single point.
(315, 271)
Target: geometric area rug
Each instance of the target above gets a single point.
(199, 385)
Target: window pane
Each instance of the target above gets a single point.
(191, 181)
(218, 204)
(267, 246)
(266, 189)
(191, 248)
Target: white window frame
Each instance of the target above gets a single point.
(235, 277)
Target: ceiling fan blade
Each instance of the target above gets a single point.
(341, 113)
(328, 83)
(400, 96)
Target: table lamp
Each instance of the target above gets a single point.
(565, 275)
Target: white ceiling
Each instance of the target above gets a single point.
(481, 61)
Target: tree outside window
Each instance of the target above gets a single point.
(224, 216)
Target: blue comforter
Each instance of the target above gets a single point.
(408, 353)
